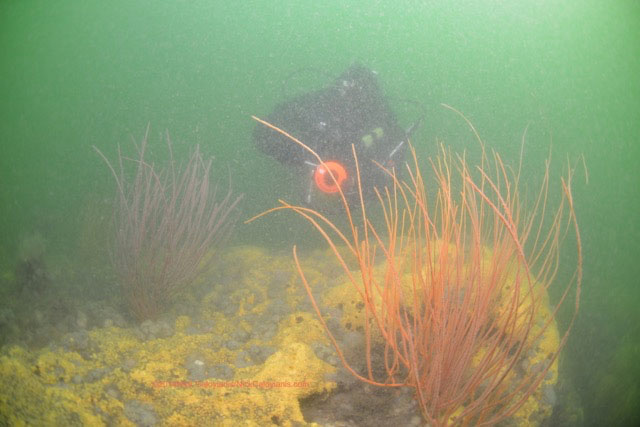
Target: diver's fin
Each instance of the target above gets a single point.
(395, 150)
(414, 126)
(407, 134)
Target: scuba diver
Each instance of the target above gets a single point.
(352, 110)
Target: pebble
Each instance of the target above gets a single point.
(140, 413)
(221, 371)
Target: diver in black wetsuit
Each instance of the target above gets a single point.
(350, 111)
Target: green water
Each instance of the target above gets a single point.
(79, 73)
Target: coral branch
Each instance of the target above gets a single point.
(167, 221)
(460, 298)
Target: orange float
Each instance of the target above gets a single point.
(323, 178)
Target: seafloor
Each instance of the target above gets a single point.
(242, 347)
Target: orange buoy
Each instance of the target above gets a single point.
(323, 178)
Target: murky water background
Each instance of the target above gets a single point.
(75, 74)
